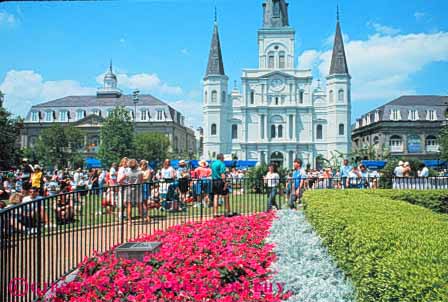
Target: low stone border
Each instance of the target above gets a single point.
(303, 266)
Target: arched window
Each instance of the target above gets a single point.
(223, 97)
(341, 129)
(396, 143)
(341, 95)
(214, 96)
(213, 129)
(252, 97)
(331, 96)
(280, 131)
(376, 140)
(319, 132)
(205, 97)
(281, 60)
(276, 101)
(271, 60)
(273, 131)
(234, 131)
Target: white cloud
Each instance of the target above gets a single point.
(145, 82)
(185, 51)
(122, 40)
(382, 65)
(25, 88)
(383, 29)
(8, 19)
(191, 109)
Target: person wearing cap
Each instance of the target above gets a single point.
(398, 171)
(202, 184)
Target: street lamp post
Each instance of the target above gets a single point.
(135, 98)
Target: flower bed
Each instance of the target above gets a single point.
(392, 250)
(225, 260)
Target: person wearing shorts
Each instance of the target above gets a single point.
(298, 179)
(219, 185)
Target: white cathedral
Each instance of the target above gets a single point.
(278, 115)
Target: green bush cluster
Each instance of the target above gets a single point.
(435, 200)
(392, 251)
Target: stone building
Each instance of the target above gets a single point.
(278, 115)
(408, 126)
(87, 113)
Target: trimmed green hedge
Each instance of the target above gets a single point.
(436, 200)
(391, 250)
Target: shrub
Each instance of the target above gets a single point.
(435, 200)
(391, 250)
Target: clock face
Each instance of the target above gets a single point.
(277, 84)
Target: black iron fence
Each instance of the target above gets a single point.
(43, 239)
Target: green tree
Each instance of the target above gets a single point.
(151, 146)
(117, 136)
(59, 146)
(443, 142)
(9, 133)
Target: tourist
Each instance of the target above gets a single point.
(345, 173)
(272, 181)
(183, 179)
(407, 169)
(398, 171)
(134, 178)
(122, 181)
(424, 172)
(364, 174)
(202, 184)
(26, 174)
(297, 184)
(146, 186)
(167, 173)
(219, 184)
(113, 175)
(37, 179)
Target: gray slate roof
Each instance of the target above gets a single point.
(94, 101)
(338, 59)
(215, 62)
(421, 103)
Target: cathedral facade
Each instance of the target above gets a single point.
(278, 115)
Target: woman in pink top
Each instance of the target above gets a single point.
(202, 183)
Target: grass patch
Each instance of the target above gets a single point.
(391, 250)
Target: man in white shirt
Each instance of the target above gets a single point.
(398, 172)
(424, 172)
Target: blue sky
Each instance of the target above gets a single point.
(50, 49)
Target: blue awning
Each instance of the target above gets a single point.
(92, 163)
(434, 163)
(374, 164)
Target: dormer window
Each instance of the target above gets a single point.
(395, 115)
(377, 116)
(34, 116)
(49, 116)
(63, 116)
(143, 115)
(368, 119)
(413, 115)
(431, 115)
(80, 114)
(159, 115)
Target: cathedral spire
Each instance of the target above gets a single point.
(338, 59)
(275, 14)
(215, 62)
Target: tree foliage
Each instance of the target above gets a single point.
(152, 146)
(59, 146)
(117, 136)
(9, 133)
(443, 142)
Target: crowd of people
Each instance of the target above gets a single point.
(134, 184)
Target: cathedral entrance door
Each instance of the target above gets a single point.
(277, 159)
